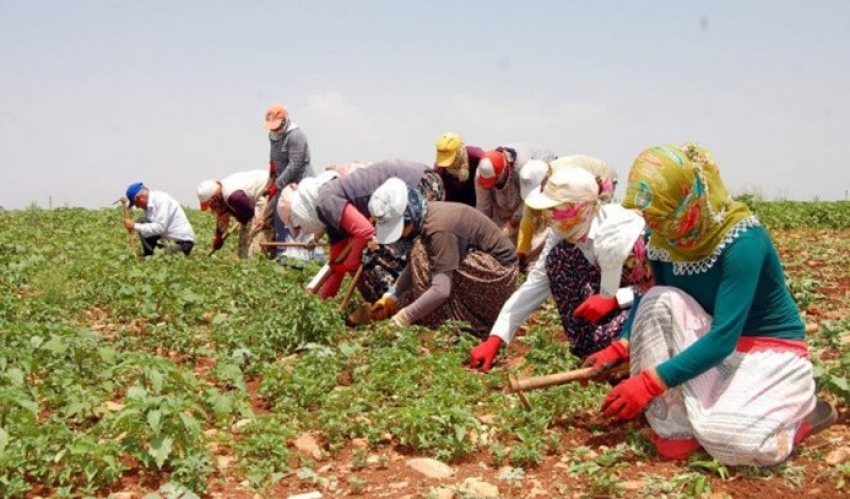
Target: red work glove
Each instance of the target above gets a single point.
(523, 262)
(218, 241)
(607, 358)
(629, 397)
(596, 307)
(336, 260)
(271, 191)
(482, 356)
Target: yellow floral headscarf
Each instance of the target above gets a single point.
(685, 203)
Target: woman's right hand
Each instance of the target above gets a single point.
(607, 358)
(483, 355)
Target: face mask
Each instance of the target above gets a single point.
(571, 221)
(276, 134)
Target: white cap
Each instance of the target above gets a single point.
(570, 184)
(387, 206)
(206, 190)
(531, 175)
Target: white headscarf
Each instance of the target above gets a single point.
(304, 201)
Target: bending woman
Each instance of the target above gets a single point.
(459, 267)
(338, 206)
(591, 263)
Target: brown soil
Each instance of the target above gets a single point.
(390, 476)
(359, 471)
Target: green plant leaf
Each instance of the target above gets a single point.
(4, 440)
(15, 376)
(160, 449)
(155, 421)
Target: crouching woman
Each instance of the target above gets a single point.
(459, 266)
(717, 349)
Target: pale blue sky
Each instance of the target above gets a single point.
(95, 95)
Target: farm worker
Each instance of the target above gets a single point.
(717, 349)
(456, 164)
(459, 266)
(239, 195)
(289, 163)
(497, 186)
(529, 237)
(164, 218)
(338, 206)
(591, 264)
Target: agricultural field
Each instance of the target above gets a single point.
(215, 377)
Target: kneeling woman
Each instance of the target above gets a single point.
(460, 266)
(717, 349)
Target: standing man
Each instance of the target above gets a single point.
(289, 162)
(240, 195)
(163, 218)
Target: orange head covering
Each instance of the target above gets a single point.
(490, 169)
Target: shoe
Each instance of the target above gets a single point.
(821, 418)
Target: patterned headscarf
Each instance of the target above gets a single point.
(415, 211)
(684, 201)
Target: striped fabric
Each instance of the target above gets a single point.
(746, 410)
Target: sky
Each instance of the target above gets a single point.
(98, 94)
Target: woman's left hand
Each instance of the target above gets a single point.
(596, 307)
(401, 318)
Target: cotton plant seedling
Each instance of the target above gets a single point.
(680, 486)
(262, 458)
(106, 356)
(838, 475)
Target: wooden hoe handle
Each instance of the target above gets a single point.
(129, 231)
(344, 303)
(537, 382)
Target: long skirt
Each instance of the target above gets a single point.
(747, 409)
(480, 286)
(382, 267)
(573, 279)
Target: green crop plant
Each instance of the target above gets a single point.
(113, 366)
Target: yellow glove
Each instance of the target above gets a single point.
(385, 307)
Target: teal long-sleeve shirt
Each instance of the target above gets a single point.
(745, 293)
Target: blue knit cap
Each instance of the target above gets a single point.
(133, 190)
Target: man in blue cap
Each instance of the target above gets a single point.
(163, 218)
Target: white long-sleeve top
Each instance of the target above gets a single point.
(252, 182)
(534, 291)
(165, 217)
